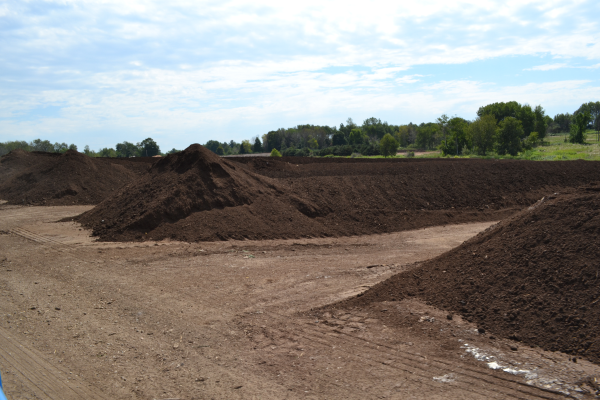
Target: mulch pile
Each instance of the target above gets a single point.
(51, 179)
(534, 277)
(197, 196)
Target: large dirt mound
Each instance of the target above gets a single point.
(196, 195)
(62, 179)
(534, 277)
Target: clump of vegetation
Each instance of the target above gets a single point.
(388, 145)
(410, 154)
(275, 153)
(355, 155)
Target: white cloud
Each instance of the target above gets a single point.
(175, 66)
(547, 67)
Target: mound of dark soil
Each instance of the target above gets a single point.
(534, 277)
(196, 195)
(62, 179)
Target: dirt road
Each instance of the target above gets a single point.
(239, 319)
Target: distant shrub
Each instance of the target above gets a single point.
(275, 153)
(328, 156)
(410, 154)
(356, 155)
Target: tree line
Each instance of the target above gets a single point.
(503, 128)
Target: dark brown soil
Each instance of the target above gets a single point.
(40, 178)
(534, 277)
(196, 196)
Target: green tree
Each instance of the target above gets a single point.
(457, 137)
(60, 147)
(212, 145)
(107, 152)
(508, 136)
(580, 122)
(564, 122)
(426, 136)
(339, 139)
(220, 150)
(148, 148)
(245, 147)
(86, 150)
(275, 153)
(41, 145)
(527, 118)
(355, 137)
(443, 124)
(126, 149)
(483, 133)
(312, 143)
(388, 145)
(540, 125)
(257, 148)
(402, 136)
(500, 110)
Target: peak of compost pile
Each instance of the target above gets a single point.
(534, 277)
(196, 195)
(59, 179)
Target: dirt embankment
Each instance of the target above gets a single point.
(534, 277)
(195, 196)
(40, 178)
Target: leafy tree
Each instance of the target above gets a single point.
(73, 147)
(527, 118)
(563, 121)
(60, 147)
(173, 151)
(483, 132)
(257, 148)
(355, 137)
(500, 110)
(148, 148)
(540, 125)
(126, 149)
(402, 136)
(339, 139)
(580, 122)
(443, 124)
(86, 150)
(388, 145)
(508, 136)
(312, 143)
(212, 145)
(593, 108)
(426, 135)
(275, 153)
(220, 151)
(7, 147)
(457, 137)
(41, 145)
(245, 147)
(107, 152)
(274, 140)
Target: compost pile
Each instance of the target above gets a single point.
(40, 178)
(534, 277)
(195, 195)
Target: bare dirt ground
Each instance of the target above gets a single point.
(239, 319)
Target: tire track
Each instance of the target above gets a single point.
(416, 365)
(45, 380)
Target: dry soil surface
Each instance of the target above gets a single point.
(228, 320)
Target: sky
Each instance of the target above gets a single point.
(99, 72)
